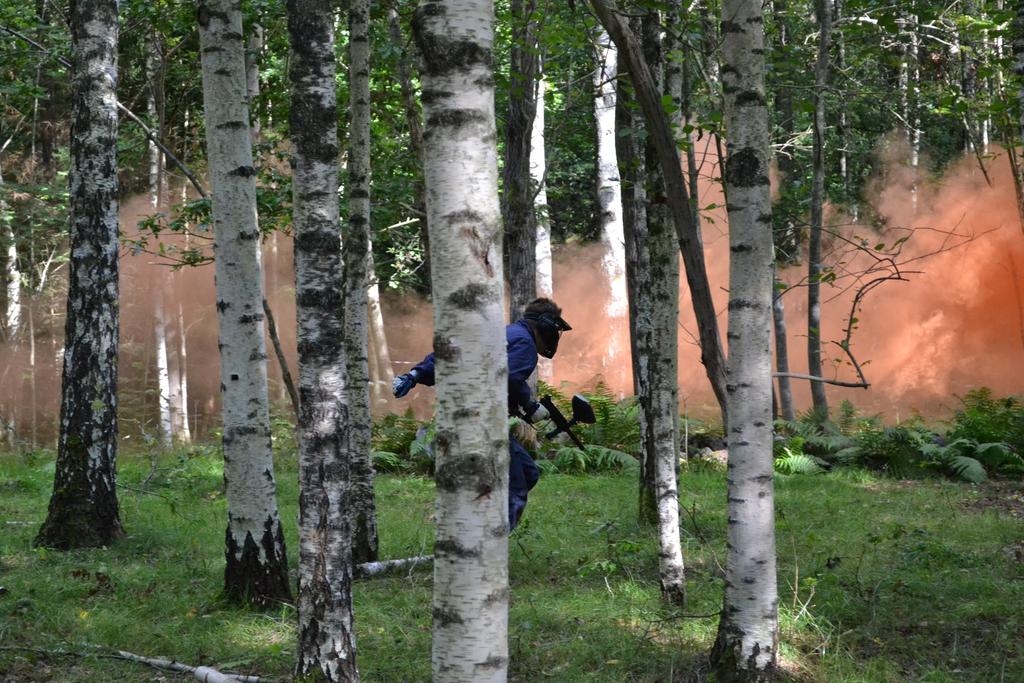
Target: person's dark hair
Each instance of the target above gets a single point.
(543, 305)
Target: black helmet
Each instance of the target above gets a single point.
(547, 323)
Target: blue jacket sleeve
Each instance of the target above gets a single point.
(522, 360)
(425, 370)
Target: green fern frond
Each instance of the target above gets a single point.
(796, 463)
(967, 468)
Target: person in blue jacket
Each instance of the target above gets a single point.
(537, 332)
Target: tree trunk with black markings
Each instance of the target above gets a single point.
(661, 401)
(356, 241)
(83, 509)
(746, 648)
(470, 605)
(256, 570)
(327, 647)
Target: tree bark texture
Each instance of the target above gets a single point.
(256, 570)
(746, 648)
(819, 400)
(83, 509)
(609, 195)
(687, 233)
(661, 401)
(520, 219)
(414, 122)
(782, 352)
(12, 274)
(162, 373)
(470, 605)
(633, 169)
(538, 178)
(356, 242)
(327, 648)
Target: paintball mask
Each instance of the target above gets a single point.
(549, 328)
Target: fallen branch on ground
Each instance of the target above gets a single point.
(370, 569)
(202, 673)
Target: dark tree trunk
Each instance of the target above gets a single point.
(814, 266)
(83, 508)
(520, 217)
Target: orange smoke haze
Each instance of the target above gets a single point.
(955, 323)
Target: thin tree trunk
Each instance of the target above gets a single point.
(83, 509)
(379, 354)
(538, 178)
(819, 399)
(520, 220)
(12, 274)
(181, 394)
(782, 352)
(470, 606)
(153, 75)
(609, 195)
(414, 122)
(327, 646)
(687, 233)
(746, 648)
(256, 568)
(162, 373)
(634, 172)
(661, 403)
(356, 241)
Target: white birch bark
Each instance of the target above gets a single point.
(327, 647)
(538, 174)
(661, 440)
(538, 178)
(470, 605)
(179, 382)
(356, 241)
(83, 509)
(747, 644)
(12, 316)
(256, 568)
(609, 190)
(162, 373)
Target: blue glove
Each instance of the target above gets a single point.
(401, 385)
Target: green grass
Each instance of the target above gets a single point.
(879, 580)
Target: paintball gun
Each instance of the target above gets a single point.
(582, 413)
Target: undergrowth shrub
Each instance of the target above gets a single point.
(987, 419)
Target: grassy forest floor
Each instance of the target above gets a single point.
(879, 580)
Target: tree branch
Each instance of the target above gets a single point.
(127, 112)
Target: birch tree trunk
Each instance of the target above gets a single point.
(356, 241)
(609, 193)
(12, 274)
(256, 569)
(538, 179)
(746, 648)
(413, 120)
(179, 382)
(661, 402)
(327, 646)
(638, 275)
(782, 352)
(819, 400)
(687, 232)
(470, 604)
(379, 355)
(163, 376)
(83, 509)
(520, 220)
